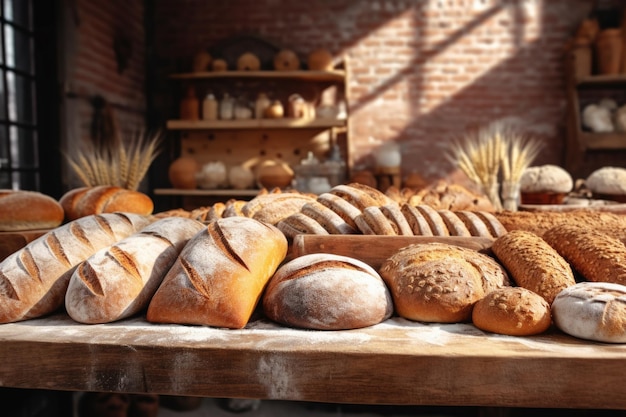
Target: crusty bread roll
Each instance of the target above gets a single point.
(456, 226)
(85, 201)
(33, 280)
(346, 210)
(434, 219)
(533, 263)
(438, 282)
(28, 210)
(331, 221)
(361, 195)
(220, 275)
(595, 255)
(118, 281)
(546, 178)
(300, 224)
(372, 221)
(273, 207)
(513, 311)
(592, 311)
(416, 220)
(327, 292)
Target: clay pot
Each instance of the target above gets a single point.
(274, 174)
(219, 65)
(190, 105)
(248, 62)
(286, 60)
(275, 110)
(182, 173)
(609, 51)
(320, 60)
(201, 61)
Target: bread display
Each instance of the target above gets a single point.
(220, 275)
(593, 311)
(28, 210)
(595, 255)
(119, 281)
(533, 264)
(33, 280)
(513, 311)
(437, 282)
(327, 292)
(545, 184)
(85, 201)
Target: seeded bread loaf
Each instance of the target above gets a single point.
(533, 264)
(513, 311)
(327, 292)
(34, 280)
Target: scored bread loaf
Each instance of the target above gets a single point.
(513, 311)
(28, 210)
(327, 292)
(118, 281)
(533, 263)
(85, 201)
(595, 255)
(592, 311)
(219, 277)
(33, 280)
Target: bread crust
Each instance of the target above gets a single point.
(533, 264)
(28, 210)
(300, 224)
(416, 220)
(397, 220)
(118, 281)
(455, 226)
(474, 224)
(513, 311)
(436, 223)
(34, 280)
(86, 201)
(219, 277)
(343, 208)
(331, 221)
(327, 292)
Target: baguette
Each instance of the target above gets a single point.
(220, 275)
(33, 280)
(118, 281)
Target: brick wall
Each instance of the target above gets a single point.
(423, 73)
(91, 68)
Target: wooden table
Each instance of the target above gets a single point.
(396, 362)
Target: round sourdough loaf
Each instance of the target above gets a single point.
(513, 311)
(327, 292)
(592, 311)
(438, 282)
(28, 210)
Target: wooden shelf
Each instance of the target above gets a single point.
(303, 75)
(284, 123)
(602, 80)
(206, 193)
(603, 141)
(395, 362)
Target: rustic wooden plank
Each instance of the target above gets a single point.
(373, 250)
(395, 362)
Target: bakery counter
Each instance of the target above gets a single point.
(395, 362)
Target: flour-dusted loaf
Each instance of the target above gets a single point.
(438, 282)
(592, 311)
(28, 210)
(119, 281)
(220, 275)
(533, 263)
(33, 280)
(594, 254)
(513, 311)
(86, 201)
(327, 292)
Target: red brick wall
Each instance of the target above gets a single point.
(423, 73)
(91, 67)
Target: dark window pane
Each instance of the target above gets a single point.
(25, 147)
(18, 49)
(20, 94)
(18, 11)
(1, 46)
(4, 147)
(5, 179)
(26, 180)
(3, 101)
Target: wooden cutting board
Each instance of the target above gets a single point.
(374, 250)
(13, 241)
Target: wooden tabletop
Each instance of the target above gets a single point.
(396, 362)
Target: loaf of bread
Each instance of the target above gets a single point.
(219, 276)
(361, 195)
(595, 255)
(513, 311)
(327, 292)
(533, 263)
(444, 196)
(273, 207)
(438, 282)
(85, 201)
(119, 281)
(33, 280)
(28, 210)
(593, 311)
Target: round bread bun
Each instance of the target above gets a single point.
(28, 210)
(327, 292)
(546, 178)
(592, 311)
(607, 181)
(513, 311)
